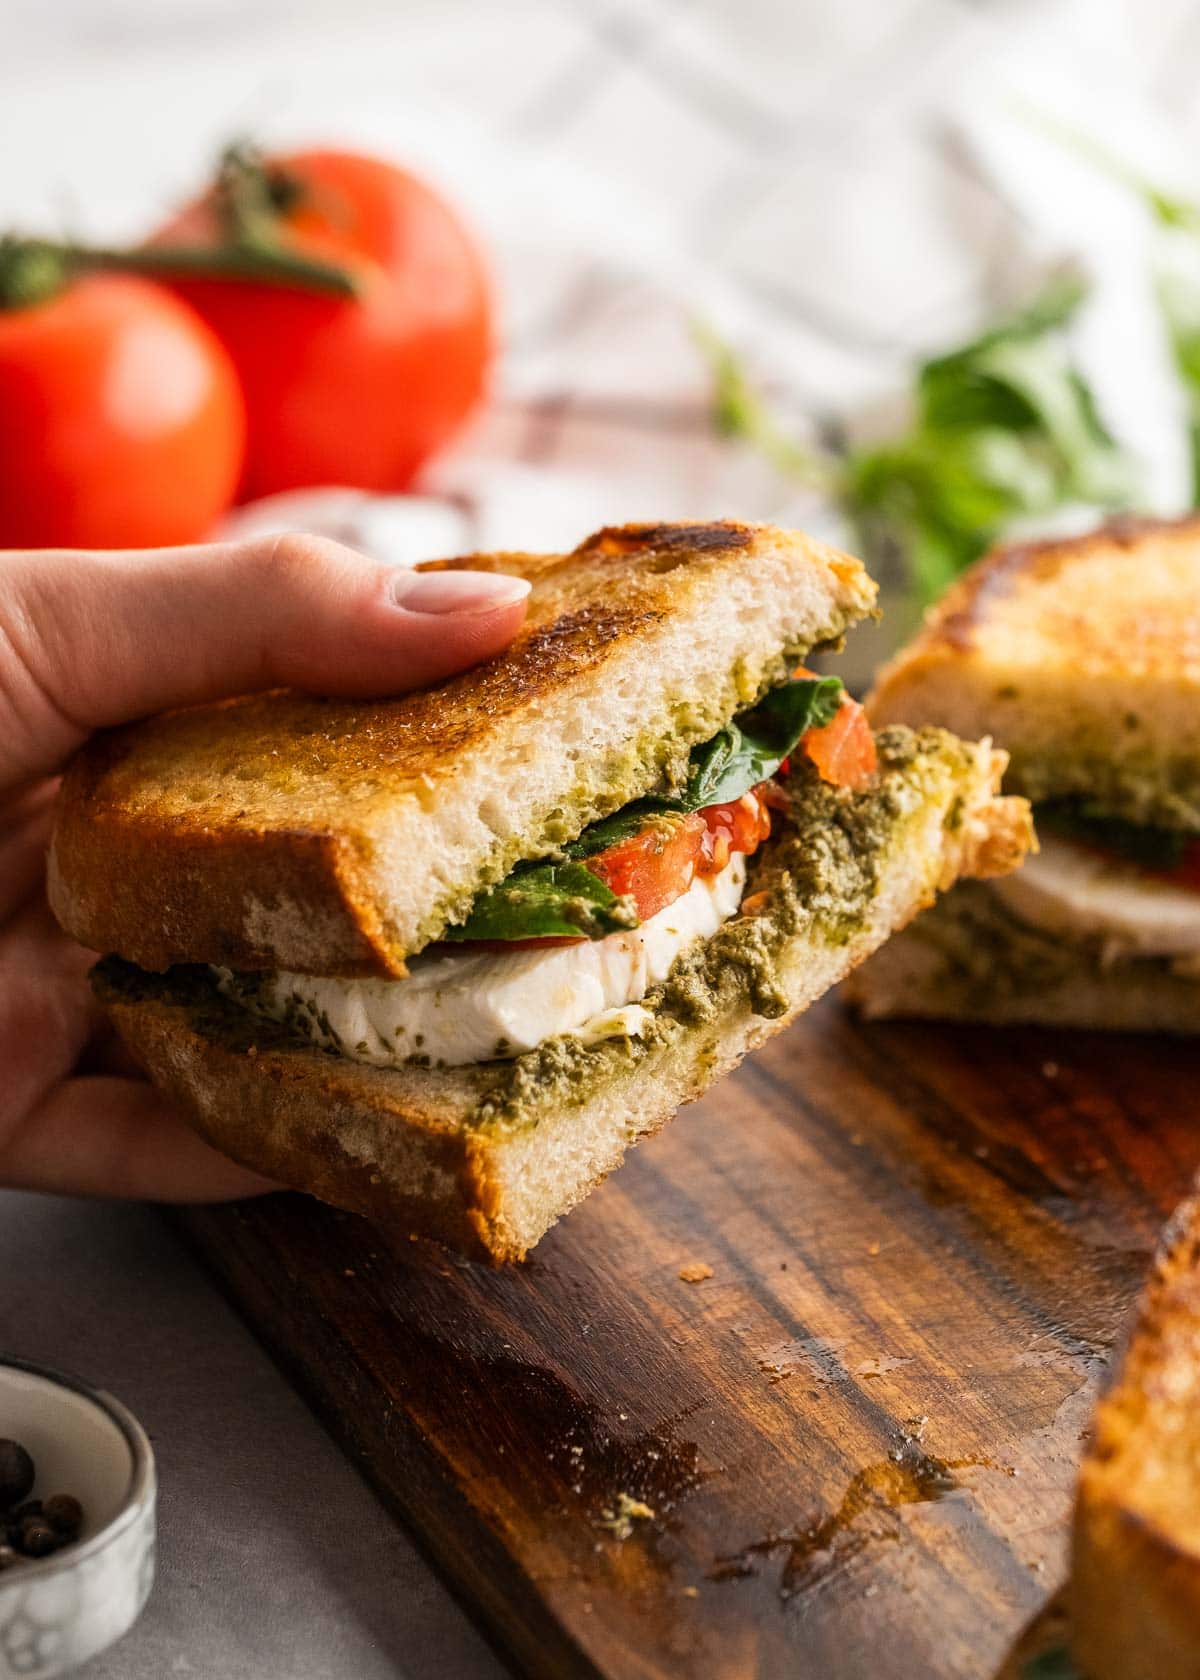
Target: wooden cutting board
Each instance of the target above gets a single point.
(856, 1438)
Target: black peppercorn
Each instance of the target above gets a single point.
(16, 1473)
(64, 1513)
(30, 1528)
(38, 1539)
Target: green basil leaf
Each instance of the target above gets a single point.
(546, 900)
(1004, 428)
(751, 748)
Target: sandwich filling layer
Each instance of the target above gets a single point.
(455, 1008)
(1079, 893)
(539, 1021)
(988, 955)
(570, 944)
(1118, 889)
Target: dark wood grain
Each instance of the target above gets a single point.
(857, 1437)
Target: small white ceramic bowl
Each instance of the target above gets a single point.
(58, 1611)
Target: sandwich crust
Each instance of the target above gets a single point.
(1082, 658)
(487, 1157)
(289, 831)
(1135, 1582)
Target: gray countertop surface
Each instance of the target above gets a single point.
(276, 1561)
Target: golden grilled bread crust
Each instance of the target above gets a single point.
(1135, 1569)
(289, 831)
(1081, 657)
(435, 1152)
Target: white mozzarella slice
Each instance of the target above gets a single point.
(1079, 893)
(476, 1007)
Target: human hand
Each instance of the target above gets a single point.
(93, 639)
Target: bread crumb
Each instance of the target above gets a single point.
(620, 1521)
(691, 1592)
(873, 1249)
(252, 1051)
(695, 1271)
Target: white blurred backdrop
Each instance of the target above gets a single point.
(839, 184)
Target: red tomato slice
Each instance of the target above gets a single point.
(842, 750)
(655, 866)
(658, 865)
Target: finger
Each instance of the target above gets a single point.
(107, 1052)
(34, 947)
(118, 1137)
(46, 1011)
(24, 837)
(91, 639)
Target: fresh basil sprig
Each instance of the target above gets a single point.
(1003, 428)
(564, 899)
(1178, 283)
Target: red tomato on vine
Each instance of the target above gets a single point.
(121, 420)
(358, 390)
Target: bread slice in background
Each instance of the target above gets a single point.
(1135, 1563)
(1081, 658)
(487, 1157)
(968, 959)
(334, 837)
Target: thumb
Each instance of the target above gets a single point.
(96, 638)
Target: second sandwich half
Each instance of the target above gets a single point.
(441, 958)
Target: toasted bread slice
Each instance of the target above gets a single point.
(1081, 658)
(970, 959)
(330, 837)
(487, 1157)
(1135, 1564)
